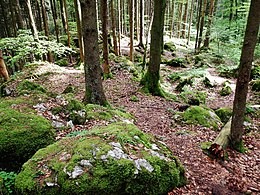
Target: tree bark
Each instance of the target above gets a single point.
(131, 16)
(141, 9)
(78, 20)
(114, 27)
(202, 24)
(55, 19)
(190, 21)
(173, 15)
(94, 90)
(184, 20)
(3, 70)
(198, 24)
(245, 66)
(19, 17)
(119, 26)
(210, 18)
(32, 22)
(104, 36)
(179, 19)
(151, 78)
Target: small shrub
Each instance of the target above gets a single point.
(8, 181)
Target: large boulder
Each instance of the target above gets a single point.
(116, 159)
(21, 135)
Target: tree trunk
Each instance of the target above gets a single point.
(190, 21)
(19, 17)
(113, 27)
(131, 16)
(198, 23)
(179, 19)
(119, 26)
(63, 16)
(210, 17)
(32, 22)
(172, 17)
(104, 36)
(4, 14)
(151, 78)
(38, 16)
(184, 20)
(12, 10)
(67, 25)
(94, 90)
(77, 9)
(55, 19)
(141, 9)
(245, 66)
(3, 70)
(202, 24)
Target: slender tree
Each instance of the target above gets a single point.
(179, 18)
(114, 26)
(245, 66)
(32, 22)
(19, 17)
(172, 18)
(152, 76)
(131, 21)
(94, 90)
(141, 15)
(55, 19)
(184, 19)
(105, 38)
(190, 21)
(210, 18)
(77, 12)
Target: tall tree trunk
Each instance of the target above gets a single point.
(190, 21)
(202, 24)
(78, 20)
(141, 9)
(184, 20)
(104, 36)
(151, 78)
(46, 26)
(131, 21)
(63, 16)
(210, 17)
(67, 26)
(172, 17)
(119, 26)
(245, 66)
(12, 10)
(4, 14)
(3, 70)
(32, 22)
(94, 90)
(55, 19)
(38, 16)
(198, 23)
(179, 19)
(113, 27)
(19, 17)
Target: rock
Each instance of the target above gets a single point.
(202, 116)
(224, 114)
(21, 135)
(169, 46)
(57, 124)
(116, 159)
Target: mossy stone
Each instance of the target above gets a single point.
(21, 135)
(226, 90)
(116, 159)
(224, 114)
(193, 97)
(177, 62)
(27, 86)
(169, 46)
(183, 82)
(202, 116)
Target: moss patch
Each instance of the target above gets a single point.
(202, 116)
(27, 86)
(169, 46)
(224, 114)
(117, 159)
(21, 135)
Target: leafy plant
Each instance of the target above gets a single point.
(8, 178)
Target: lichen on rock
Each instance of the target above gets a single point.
(116, 159)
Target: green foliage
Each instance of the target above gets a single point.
(183, 82)
(134, 98)
(255, 73)
(255, 85)
(227, 71)
(224, 114)
(177, 62)
(8, 180)
(169, 46)
(193, 97)
(24, 48)
(226, 90)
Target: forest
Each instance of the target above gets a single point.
(129, 97)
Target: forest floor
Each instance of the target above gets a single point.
(237, 174)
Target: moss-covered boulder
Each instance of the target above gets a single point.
(27, 86)
(224, 114)
(177, 62)
(116, 159)
(169, 46)
(21, 135)
(202, 116)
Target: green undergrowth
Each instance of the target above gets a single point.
(116, 159)
(7, 180)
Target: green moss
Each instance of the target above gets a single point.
(224, 114)
(240, 147)
(21, 135)
(62, 62)
(183, 82)
(202, 116)
(134, 98)
(205, 145)
(169, 46)
(177, 62)
(101, 173)
(226, 90)
(193, 97)
(27, 87)
(69, 89)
